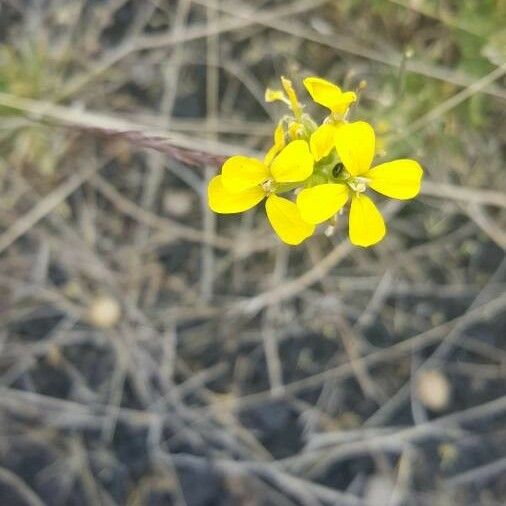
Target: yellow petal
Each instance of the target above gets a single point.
(322, 141)
(329, 95)
(279, 144)
(321, 202)
(355, 146)
(399, 179)
(293, 164)
(273, 95)
(285, 219)
(292, 97)
(225, 202)
(341, 106)
(367, 226)
(279, 136)
(273, 151)
(240, 173)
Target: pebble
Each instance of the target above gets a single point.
(104, 312)
(433, 389)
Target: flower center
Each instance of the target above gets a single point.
(358, 184)
(268, 186)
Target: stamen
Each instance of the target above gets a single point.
(358, 184)
(268, 186)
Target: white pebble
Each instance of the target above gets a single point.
(104, 312)
(433, 389)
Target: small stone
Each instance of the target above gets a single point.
(104, 312)
(178, 203)
(433, 389)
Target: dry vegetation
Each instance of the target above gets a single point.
(153, 354)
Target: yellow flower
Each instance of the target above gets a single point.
(355, 145)
(296, 128)
(245, 181)
(288, 96)
(329, 95)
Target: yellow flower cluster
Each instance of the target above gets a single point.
(323, 166)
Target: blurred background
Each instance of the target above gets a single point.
(153, 354)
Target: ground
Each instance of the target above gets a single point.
(152, 353)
